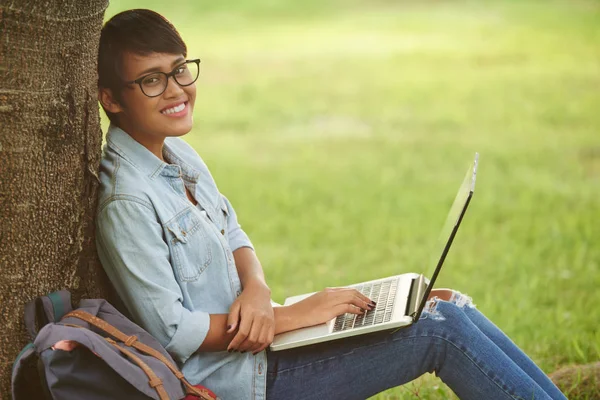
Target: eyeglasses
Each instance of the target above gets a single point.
(155, 84)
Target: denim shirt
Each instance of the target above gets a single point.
(171, 262)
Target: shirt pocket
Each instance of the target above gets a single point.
(188, 241)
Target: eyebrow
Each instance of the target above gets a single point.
(157, 69)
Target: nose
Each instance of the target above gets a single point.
(173, 89)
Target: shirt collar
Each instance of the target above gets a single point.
(142, 158)
(171, 155)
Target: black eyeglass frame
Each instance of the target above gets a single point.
(170, 74)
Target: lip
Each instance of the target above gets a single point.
(180, 113)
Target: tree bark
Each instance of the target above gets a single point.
(50, 142)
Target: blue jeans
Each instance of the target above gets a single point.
(452, 338)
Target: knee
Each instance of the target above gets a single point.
(442, 294)
(447, 304)
(452, 296)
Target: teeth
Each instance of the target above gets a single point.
(174, 109)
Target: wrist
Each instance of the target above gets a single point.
(286, 319)
(257, 284)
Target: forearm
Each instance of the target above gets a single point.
(249, 268)
(250, 272)
(251, 314)
(285, 320)
(218, 338)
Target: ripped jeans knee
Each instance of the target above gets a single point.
(457, 298)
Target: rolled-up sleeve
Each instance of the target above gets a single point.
(136, 259)
(237, 236)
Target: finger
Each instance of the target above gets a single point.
(351, 296)
(261, 348)
(363, 297)
(271, 334)
(269, 339)
(252, 337)
(262, 329)
(360, 296)
(347, 308)
(360, 303)
(233, 317)
(258, 343)
(262, 341)
(241, 335)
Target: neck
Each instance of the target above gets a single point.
(154, 144)
(155, 147)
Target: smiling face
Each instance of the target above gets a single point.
(149, 120)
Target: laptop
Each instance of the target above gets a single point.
(400, 299)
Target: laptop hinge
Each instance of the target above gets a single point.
(417, 289)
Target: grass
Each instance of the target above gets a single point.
(340, 132)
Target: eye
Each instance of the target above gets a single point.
(151, 80)
(181, 70)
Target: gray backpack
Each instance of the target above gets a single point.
(113, 358)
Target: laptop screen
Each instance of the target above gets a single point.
(455, 216)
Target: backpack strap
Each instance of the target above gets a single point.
(45, 309)
(153, 380)
(133, 341)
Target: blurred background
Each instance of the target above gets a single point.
(341, 130)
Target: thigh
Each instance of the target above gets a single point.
(355, 367)
(444, 341)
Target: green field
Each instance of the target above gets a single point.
(340, 131)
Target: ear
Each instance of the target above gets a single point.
(106, 98)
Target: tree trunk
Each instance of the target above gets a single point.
(50, 142)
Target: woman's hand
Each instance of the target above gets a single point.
(252, 315)
(324, 306)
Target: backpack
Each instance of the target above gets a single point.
(112, 358)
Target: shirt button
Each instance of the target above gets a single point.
(260, 369)
(222, 231)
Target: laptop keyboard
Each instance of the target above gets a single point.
(381, 292)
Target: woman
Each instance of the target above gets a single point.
(173, 248)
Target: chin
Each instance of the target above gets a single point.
(180, 130)
(178, 133)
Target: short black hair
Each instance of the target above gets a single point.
(140, 32)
